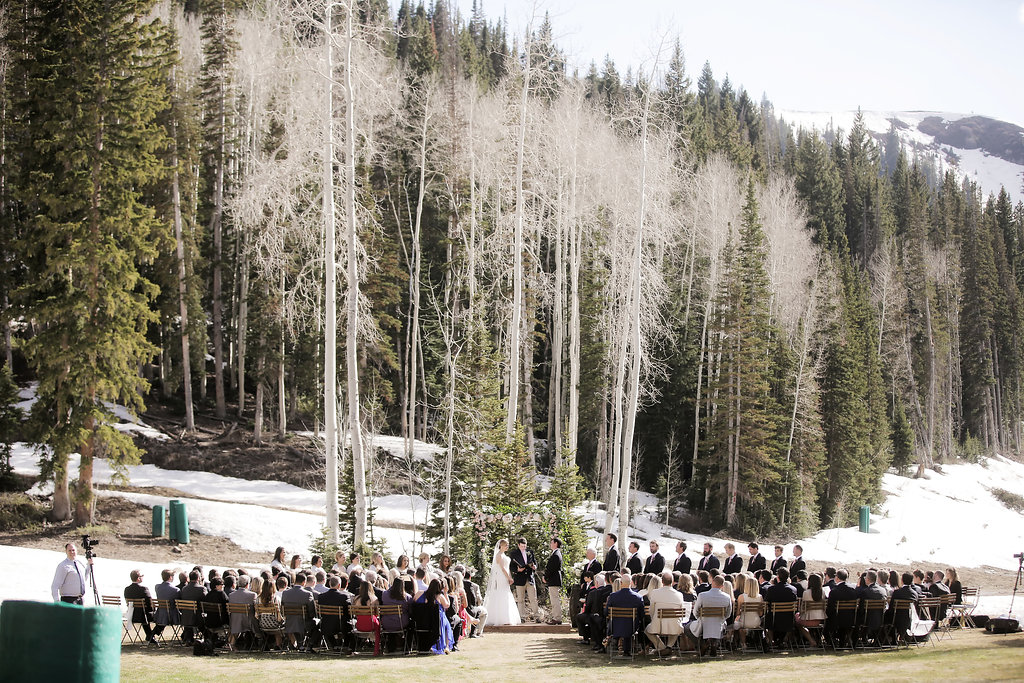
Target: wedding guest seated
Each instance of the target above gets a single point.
(685, 587)
(661, 595)
(954, 586)
(710, 628)
(751, 594)
(216, 617)
(279, 562)
(230, 581)
(939, 589)
(336, 630)
(781, 591)
(402, 565)
(396, 595)
(339, 562)
(591, 620)
(811, 618)
(703, 582)
(321, 582)
(142, 611)
(295, 627)
(623, 630)
(242, 623)
(435, 599)
(474, 603)
(369, 623)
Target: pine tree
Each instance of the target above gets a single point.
(96, 77)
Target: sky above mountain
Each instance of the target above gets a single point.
(939, 55)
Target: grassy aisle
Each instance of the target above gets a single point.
(968, 656)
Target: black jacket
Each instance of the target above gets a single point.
(797, 565)
(522, 574)
(780, 592)
(757, 563)
(216, 616)
(141, 613)
(777, 564)
(634, 565)
(596, 599)
(593, 566)
(611, 560)
(553, 569)
(655, 564)
(710, 562)
(841, 591)
(682, 564)
(733, 565)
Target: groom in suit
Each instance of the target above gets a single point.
(523, 567)
(553, 578)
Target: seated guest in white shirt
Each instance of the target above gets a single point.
(662, 595)
(706, 627)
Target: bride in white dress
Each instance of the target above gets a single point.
(499, 600)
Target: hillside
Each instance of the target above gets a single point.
(985, 150)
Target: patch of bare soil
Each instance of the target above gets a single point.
(123, 529)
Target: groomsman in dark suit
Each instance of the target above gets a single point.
(682, 563)
(553, 578)
(655, 563)
(733, 562)
(757, 561)
(779, 562)
(611, 557)
(798, 563)
(634, 564)
(709, 561)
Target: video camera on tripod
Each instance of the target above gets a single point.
(87, 545)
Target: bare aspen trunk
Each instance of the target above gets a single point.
(216, 229)
(517, 263)
(179, 238)
(414, 322)
(243, 320)
(257, 432)
(330, 300)
(558, 334)
(700, 377)
(575, 235)
(929, 441)
(352, 295)
(282, 406)
(616, 444)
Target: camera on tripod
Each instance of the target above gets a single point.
(1018, 556)
(87, 545)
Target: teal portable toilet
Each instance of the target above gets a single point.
(41, 641)
(158, 520)
(179, 522)
(865, 519)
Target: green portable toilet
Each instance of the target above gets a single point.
(179, 522)
(865, 519)
(158, 520)
(41, 641)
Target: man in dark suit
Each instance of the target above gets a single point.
(779, 562)
(798, 564)
(622, 628)
(142, 613)
(830, 577)
(336, 631)
(553, 578)
(166, 591)
(634, 564)
(295, 626)
(703, 582)
(591, 619)
(592, 565)
(937, 590)
(780, 591)
(655, 563)
(841, 591)
(215, 601)
(757, 561)
(474, 602)
(682, 562)
(708, 561)
(523, 567)
(191, 621)
(611, 557)
(733, 562)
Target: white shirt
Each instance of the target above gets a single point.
(320, 588)
(352, 567)
(68, 580)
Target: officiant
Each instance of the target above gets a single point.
(523, 568)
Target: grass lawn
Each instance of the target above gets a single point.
(970, 655)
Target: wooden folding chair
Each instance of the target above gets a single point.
(132, 628)
(942, 625)
(873, 624)
(189, 611)
(817, 632)
(669, 614)
(247, 612)
(784, 613)
(843, 623)
(297, 610)
(746, 610)
(367, 636)
(216, 608)
(337, 611)
(709, 613)
(394, 613)
(900, 632)
(168, 606)
(628, 614)
(928, 610)
(963, 613)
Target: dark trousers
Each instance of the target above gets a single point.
(71, 599)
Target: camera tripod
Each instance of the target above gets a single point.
(1016, 584)
(92, 576)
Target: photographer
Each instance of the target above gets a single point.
(69, 579)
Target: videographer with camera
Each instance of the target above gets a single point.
(69, 579)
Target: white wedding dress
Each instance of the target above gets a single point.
(499, 600)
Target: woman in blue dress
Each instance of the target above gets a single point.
(434, 595)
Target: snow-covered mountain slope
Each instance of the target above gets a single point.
(988, 151)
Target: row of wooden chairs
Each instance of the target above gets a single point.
(854, 621)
